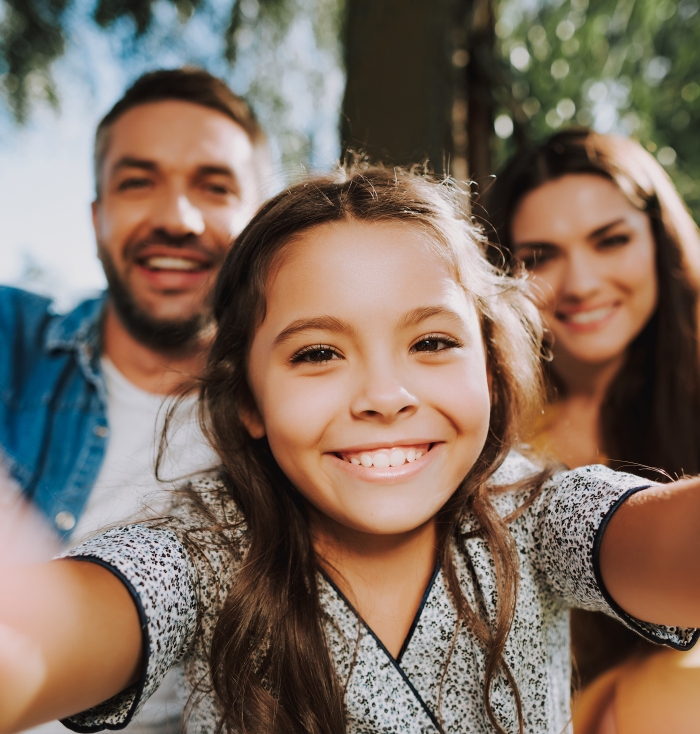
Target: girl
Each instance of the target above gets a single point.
(613, 259)
(373, 556)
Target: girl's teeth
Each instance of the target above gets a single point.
(381, 461)
(385, 459)
(397, 457)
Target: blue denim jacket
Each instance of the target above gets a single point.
(53, 402)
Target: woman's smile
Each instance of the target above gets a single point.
(588, 318)
(591, 257)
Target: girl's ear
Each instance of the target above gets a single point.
(253, 422)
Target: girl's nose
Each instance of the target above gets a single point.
(383, 397)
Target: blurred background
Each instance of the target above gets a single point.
(461, 83)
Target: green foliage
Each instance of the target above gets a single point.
(31, 37)
(34, 34)
(139, 12)
(626, 66)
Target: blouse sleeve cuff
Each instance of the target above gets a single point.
(678, 638)
(157, 572)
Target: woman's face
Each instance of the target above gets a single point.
(369, 376)
(591, 255)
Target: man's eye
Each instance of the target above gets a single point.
(134, 183)
(318, 354)
(218, 189)
(434, 344)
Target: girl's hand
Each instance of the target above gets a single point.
(70, 635)
(650, 554)
(25, 537)
(22, 671)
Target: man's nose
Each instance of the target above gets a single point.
(384, 396)
(178, 216)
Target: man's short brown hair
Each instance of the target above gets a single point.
(188, 84)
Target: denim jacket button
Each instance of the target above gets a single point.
(65, 520)
(101, 431)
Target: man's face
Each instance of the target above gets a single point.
(178, 184)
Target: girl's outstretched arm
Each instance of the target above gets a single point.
(70, 638)
(650, 554)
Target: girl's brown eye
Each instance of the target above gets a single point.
(315, 355)
(427, 345)
(434, 344)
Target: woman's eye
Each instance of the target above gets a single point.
(434, 344)
(318, 354)
(533, 258)
(615, 241)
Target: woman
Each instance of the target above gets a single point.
(613, 259)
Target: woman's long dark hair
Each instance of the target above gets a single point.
(651, 414)
(270, 665)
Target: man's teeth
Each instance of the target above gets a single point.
(163, 262)
(588, 317)
(385, 458)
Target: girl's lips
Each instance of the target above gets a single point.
(382, 458)
(387, 474)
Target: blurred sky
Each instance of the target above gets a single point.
(46, 182)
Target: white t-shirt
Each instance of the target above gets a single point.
(127, 489)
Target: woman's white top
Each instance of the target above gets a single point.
(557, 537)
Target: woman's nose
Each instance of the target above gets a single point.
(582, 276)
(383, 396)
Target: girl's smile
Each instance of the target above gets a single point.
(369, 375)
(388, 465)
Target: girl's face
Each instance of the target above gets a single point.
(369, 376)
(592, 259)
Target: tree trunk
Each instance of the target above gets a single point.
(480, 72)
(398, 104)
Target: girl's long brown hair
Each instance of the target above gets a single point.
(270, 665)
(651, 414)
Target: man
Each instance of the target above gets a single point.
(180, 167)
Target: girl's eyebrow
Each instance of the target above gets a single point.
(335, 325)
(420, 314)
(322, 323)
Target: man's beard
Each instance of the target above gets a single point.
(166, 336)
